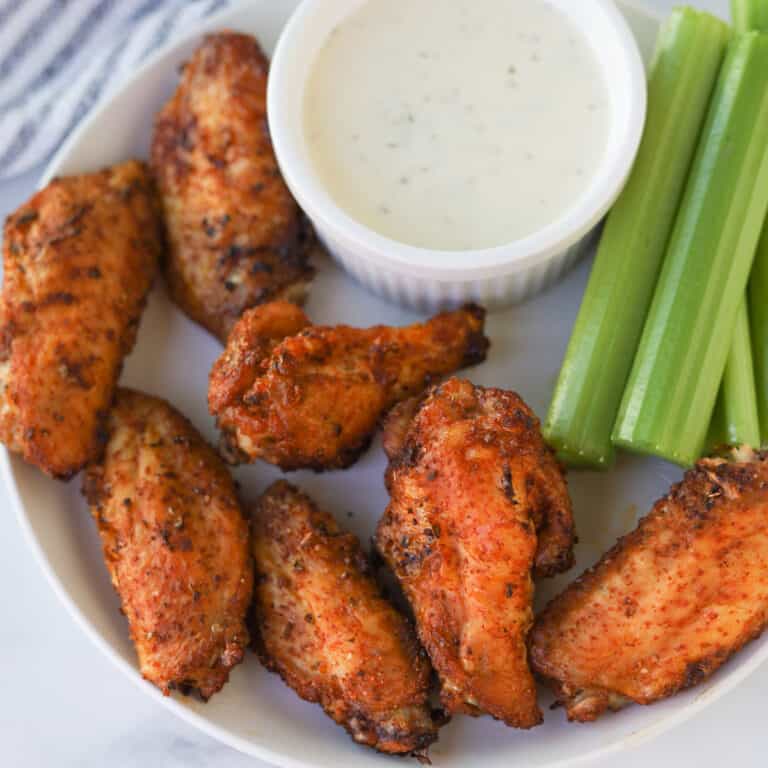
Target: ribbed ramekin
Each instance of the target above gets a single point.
(428, 279)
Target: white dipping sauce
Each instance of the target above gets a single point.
(456, 124)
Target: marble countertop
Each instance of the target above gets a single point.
(64, 704)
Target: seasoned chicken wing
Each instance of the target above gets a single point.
(78, 258)
(471, 481)
(237, 237)
(257, 335)
(322, 624)
(670, 603)
(314, 399)
(176, 545)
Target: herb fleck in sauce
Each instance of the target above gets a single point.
(435, 127)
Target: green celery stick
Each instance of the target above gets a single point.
(688, 55)
(736, 415)
(758, 317)
(735, 420)
(750, 14)
(671, 391)
(753, 14)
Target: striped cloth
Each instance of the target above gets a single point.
(59, 57)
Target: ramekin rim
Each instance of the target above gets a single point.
(540, 247)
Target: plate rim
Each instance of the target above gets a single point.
(253, 748)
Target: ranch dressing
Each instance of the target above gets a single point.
(456, 124)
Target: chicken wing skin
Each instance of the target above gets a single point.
(253, 342)
(315, 399)
(176, 544)
(546, 491)
(79, 258)
(670, 603)
(470, 480)
(323, 626)
(237, 237)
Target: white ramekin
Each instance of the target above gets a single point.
(424, 278)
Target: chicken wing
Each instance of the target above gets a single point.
(471, 480)
(256, 336)
(323, 626)
(79, 259)
(237, 237)
(176, 545)
(314, 400)
(670, 603)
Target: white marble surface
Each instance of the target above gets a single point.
(63, 704)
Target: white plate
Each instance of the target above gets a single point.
(255, 712)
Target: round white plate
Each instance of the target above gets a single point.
(255, 712)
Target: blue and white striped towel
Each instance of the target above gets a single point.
(58, 57)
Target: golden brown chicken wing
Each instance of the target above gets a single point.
(546, 490)
(257, 335)
(314, 399)
(237, 237)
(670, 602)
(79, 259)
(323, 626)
(471, 480)
(175, 543)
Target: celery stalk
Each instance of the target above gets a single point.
(735, 421)
(753, 14)
(586, 400)
(671, 391)
(758, 317)
(750, 14)
(736, 412)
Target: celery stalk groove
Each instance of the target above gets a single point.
(736, 418)
(758, 317)
(750, 15)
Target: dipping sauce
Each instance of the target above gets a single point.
(456, 124)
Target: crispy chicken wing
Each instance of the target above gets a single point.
(257, 335)
(670, 602)
(237, 237)
(314, 399)
(471, 480)
(176, 545)
(322, 624)
(79, 259)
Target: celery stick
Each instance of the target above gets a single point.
(750, 14)
(753, 14)
(758, 317)
(735, 421)
(670, 395)
(587, 396)
(735, 415)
